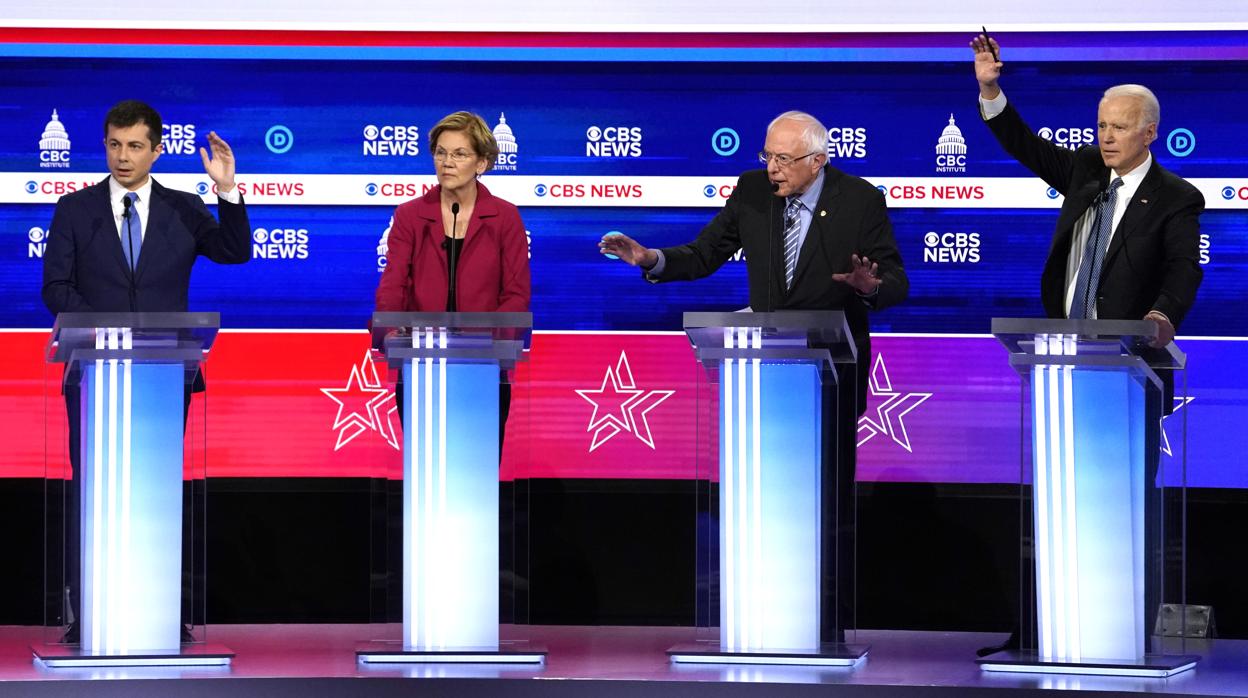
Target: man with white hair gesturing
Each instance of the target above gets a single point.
(814, 238)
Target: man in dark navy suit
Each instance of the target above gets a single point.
(128, 244)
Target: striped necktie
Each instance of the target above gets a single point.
(792, 235)
(1089, 278)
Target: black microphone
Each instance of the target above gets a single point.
(771, 237)
(452, 260)
(126, 204)
(125, 216)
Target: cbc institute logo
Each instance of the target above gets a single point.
(54, 144)
(951, 149)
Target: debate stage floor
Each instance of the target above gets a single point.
(306, 661)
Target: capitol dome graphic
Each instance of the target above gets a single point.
(54, 135)
(951, 141)
(506, 139)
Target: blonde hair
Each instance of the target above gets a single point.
(472, 126)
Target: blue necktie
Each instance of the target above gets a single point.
(1089, 278)
(792, 233)
(133, 229)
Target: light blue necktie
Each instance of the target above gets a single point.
(1089, 278)
(792, 234)
(133, 228)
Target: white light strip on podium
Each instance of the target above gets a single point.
(127, 461)
(97, 503)
(728, 485)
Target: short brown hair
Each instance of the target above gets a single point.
(472, 126)
(132, 112)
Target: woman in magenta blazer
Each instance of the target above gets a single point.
(457, 216)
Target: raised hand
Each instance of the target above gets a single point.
(221, 167)
(864, 275)
(627, 249)
(987, 65)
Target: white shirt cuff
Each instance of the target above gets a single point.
(992, 107)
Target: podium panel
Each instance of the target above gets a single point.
(1099, 552)
(778, 526)
(450, 367)
(125, 535)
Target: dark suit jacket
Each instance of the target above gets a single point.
(1153, 257)
(85, 269)
(850, 218)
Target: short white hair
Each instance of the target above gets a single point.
(1150, 108)
(814, 134)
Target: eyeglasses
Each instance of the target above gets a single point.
(781, 159)
(458, 157)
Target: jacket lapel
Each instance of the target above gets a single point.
(1076, 205)
(820, 223)
(155, 229)
(1137, 211)
(105, 227)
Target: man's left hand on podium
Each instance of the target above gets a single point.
(1165, 330)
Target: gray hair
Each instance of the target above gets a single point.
(1150, 108)
(814, 134)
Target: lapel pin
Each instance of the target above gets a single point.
(1143, 201)
(822, 214)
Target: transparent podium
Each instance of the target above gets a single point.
(1102, 505)
(775, 544)
(125, 492)
(450, 369)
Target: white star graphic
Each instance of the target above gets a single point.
(370, 409)
(890, 413)
(632, 410)
(1179, 403)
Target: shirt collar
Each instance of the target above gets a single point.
(1132, 179)
(811, 198)
(116, 191)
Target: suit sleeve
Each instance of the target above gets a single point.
(392, 290)
(715, 245)
(60, 272)
(1181, 272)
(227, 241)
(1052, 163)
(514, 259)
(879, 245)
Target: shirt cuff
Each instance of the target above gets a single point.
(990, 108)
(657, 269)
(230, 197)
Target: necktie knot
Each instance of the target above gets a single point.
(132, 196)
(1113, 186)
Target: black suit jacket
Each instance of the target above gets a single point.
(1153, 260)
(85, 269)
(850, 218)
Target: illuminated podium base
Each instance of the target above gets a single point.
(190, 654)
(505, 653)
(1159, 666)
(828, 655)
